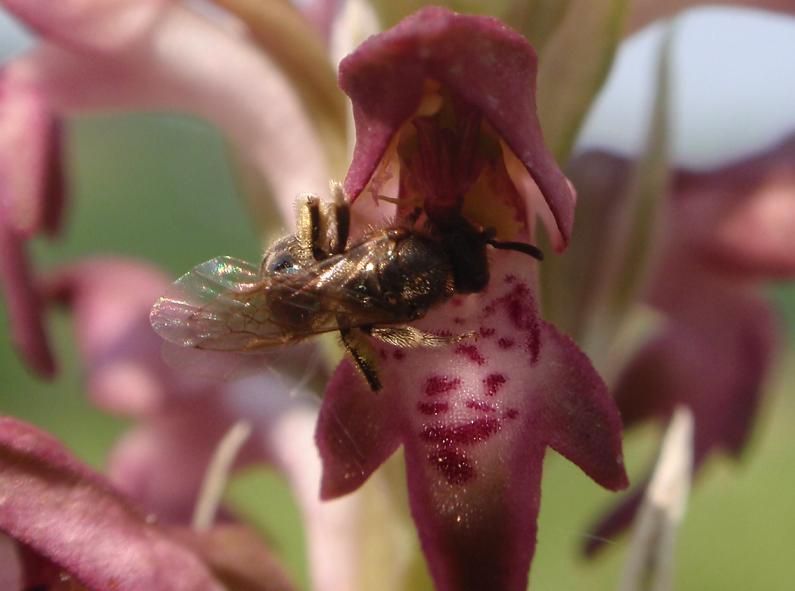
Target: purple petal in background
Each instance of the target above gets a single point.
(60, 509)
(23, 304)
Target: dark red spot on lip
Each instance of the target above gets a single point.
(433, 408)
(472, 353)
(398, 354)
(457, 302)
(519, 304)
(511, 413)
(454, 465)
(510, 278)
(436, 385)
(383, 354)
(486, 332)
(520, 307)
(493, 382)
(458, 320)
(464, 434)
(480, 405)
(504, 343)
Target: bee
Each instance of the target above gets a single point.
(314, 282)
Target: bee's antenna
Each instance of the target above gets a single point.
(529, 249)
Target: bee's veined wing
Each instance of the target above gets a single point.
(219, 305)
(226, 305)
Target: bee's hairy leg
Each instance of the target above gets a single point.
(408, 337)
(323, 227)
(362, 354)
(308, 223)
(338, 219)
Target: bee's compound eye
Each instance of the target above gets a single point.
(281, 263)
(282, 257)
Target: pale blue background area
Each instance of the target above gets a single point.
(733, 86)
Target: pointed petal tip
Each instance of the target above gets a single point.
(24, 306)
(356, 432)
(31, 158)
(581, 419)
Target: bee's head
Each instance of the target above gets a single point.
(466, 250)
(283, 257)
(466, 244)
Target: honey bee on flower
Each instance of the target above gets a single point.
(314, 281)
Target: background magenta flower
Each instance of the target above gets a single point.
(154, 55)
(31, 202)
(728, 231)
(181, 416)
(59, 509)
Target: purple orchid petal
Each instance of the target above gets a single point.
(162, 461)
(350, 456)
(10, 566)
(110, 299)
(741, 216)
(161, 55)
(62, 510)
(90, 25)
(31, 201)
(728, 229)
(24, 305)
(31, 175)
(238, 556)
(475, 419)
(322, 14)
(713, 358)
(482, 62)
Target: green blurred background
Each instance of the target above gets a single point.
(160, 189)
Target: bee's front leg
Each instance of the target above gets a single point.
(308, 225)
(362, 354)
(323, 227)
(337, 218)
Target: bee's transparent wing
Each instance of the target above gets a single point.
(219, 305)
(226, 305)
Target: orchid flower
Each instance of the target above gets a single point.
(155, 55)
(449, 117)
(729, 230)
